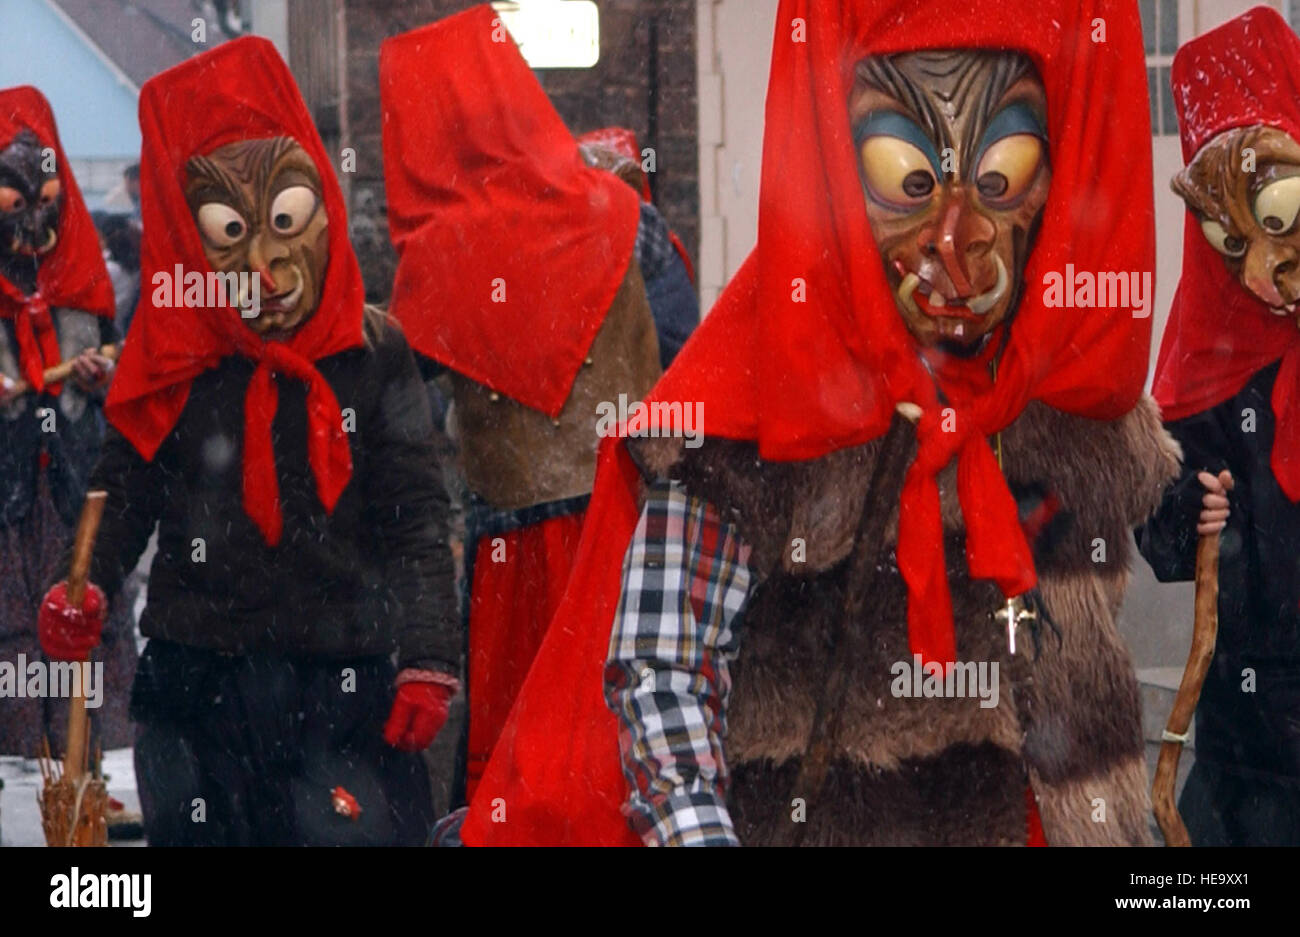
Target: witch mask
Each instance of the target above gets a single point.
(1244, 188)
(259, 208)
(30, 199)
(954, 164)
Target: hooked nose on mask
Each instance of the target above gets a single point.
(960, 237)
(1268, 273)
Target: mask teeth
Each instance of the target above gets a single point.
(905, 290)
(982, 304)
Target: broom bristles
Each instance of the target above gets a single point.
(72, 810)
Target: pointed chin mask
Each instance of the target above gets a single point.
(1244, 188)
(954, 163)
(30, 200)
(259, 209)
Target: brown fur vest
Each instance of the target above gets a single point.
(908, 769)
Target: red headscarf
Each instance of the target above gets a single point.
(622, 141)
(1244, 73)
(804, 379)
(511, 247)
(239, 91)
(827, 373)
(72, 276)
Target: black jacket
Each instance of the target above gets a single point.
(374, 576)
(1259, 583)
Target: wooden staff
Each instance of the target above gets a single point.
(870, 565)
(53, 375)
(74, 759)
(1204, 634)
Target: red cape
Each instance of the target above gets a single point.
(73, 275)
(241, 90)
(511, 248)
(806, 378)
(1244, 73)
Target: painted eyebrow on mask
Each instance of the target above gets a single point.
(894, 124)
(209, 182)
(1016, 118)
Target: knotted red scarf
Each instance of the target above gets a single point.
(243, 90)
(72, 276)
(1244, 73)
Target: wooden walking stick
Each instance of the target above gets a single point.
(74, 801)
(869, 565)
(1204, 634)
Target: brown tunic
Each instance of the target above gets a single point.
(516, 457)
(913, 770)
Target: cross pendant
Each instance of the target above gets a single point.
(1013, 613)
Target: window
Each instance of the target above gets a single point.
(1160, 32)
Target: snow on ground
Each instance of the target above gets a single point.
(20, 813)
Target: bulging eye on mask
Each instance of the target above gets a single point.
(259, 209)
(952, 150)
(1243, 186)
(31, 199)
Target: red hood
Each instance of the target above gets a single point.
(71, 276)
(240, 90)
(1245, 73)
(511, 248)
(806, 378)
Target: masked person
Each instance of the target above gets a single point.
(516, 274)
(1228, 383)
(665, 265)
(277, 432)
(919, 190)
(56, 307)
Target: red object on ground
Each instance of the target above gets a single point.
(806, 378)
(511, 248)
(512, 602)
(73, 275)
(419, 712)
(243, 91)
(68, 633)
(1245, 72)
(345, 804)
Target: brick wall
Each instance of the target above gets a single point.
(618, 90)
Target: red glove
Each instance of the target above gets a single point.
(68, 633)
(419, 712)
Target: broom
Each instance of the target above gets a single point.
(74, 801)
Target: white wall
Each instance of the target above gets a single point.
(735, 51)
